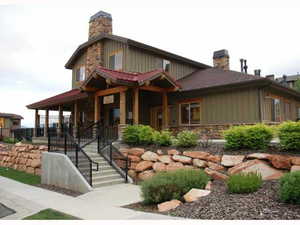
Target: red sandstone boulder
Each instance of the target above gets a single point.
(173, 152)
(295, 168)
(134, 158)
(194, 194)
(133, 165)
(132, 174)
(215, 174)
(43, 148)
(166, 206)
(208, 186)
(37, 171)
(159, 152)
(258, 156)
(267, 172)
(150, 156)
(29, 170)
(214, 158)
(199, 163)
(197, 154)
(182, 159)
(165, 159)
(146, 175)
(143, 165)
(232, 160)
(174, 166)
(158, 167)
(35, 163)
(215, 166)
(136, 151)
(280, 162)
(295, 161)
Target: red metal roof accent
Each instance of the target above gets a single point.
(59, 99)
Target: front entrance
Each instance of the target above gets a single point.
(156, 117)
(114, 116)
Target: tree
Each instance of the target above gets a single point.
(297, 85)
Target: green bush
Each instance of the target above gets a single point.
(138, 134)
(165, 186)
(187, 139)
(163, 138)
(250, 137)
(289, 135)
(9, 140)
(244, 182)
(289, 190)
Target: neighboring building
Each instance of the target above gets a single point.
(9, 122)
(118, 81)
(288, 80)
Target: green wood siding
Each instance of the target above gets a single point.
(111, 47)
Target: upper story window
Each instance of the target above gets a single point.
(166, 65)
(80, 73)
(190, 113)
(116, 61)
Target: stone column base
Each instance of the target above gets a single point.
(121, 128)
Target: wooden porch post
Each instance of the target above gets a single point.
(122, 107)
(36, 122)
(136, 106)
(76, 114)
(165, 119)
(97, 109)
(60, 118)
(46, 123)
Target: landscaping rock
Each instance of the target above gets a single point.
(159, 152)
(196, 154)
(173, 152)
(144, 165)
(132, 174)
(295, 168)
(280, 162)
(146, 175)
(215, 174)
(232, 160)
(35, 163)
(136, 151)
(199, 163)
(295, 161)
(267, 172)
(165, 159)
(182, 159)
(29, 170)
(258, 156)
(215, 166)
(214, 158)
(133, 165)
(166, 206)
(174, 166)
(134, 158)
(208, 186)
(150, 156)
(194, 194)
(158, 167)
(189, 167)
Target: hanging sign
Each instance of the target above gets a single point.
(108, 99)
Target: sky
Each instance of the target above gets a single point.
(38, 37)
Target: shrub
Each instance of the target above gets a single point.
(251, 137)
(163, 138)
(138, 134)
(258, 136)
(187, 139)
(8, 140)
(165, 186)
(235, 137)
(289, 190)
(289, 135)
(244, 182)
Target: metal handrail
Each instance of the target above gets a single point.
(87, 135)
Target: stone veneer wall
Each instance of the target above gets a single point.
(22, 157)
(94, 57)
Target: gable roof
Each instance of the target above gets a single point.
(79, 51)
(11, 116)
(289, 78)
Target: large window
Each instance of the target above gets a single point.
(1, 122)
(166, 65)
(80, 74)
(276, 110)
(190, 113)
(116, 61)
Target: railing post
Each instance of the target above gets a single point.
(65, 143)
(76, 155)
(110, 154)
(91, 173)
(49, 144)
(126, 170)
(78, 136)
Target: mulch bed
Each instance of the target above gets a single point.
(220, 205)
(60, 190)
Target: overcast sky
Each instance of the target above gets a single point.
(36, 39)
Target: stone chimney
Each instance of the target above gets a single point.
(221, 59)
(100, 23)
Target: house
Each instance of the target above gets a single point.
(9, 122)
(118, 81)
(288, 80)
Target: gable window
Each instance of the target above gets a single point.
(166, 65)
(190, 113)
(275, 110)
(80, 73)
(116, 61)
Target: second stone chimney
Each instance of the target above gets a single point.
(221, 59)
(100, 23)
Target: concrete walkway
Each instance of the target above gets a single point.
(102, 203)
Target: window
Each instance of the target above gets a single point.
(166, 65)
(1, 122)
(80, 74)
(275, 110)
(190, 113)
(116, 61)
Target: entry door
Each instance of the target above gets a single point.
(156, 117)
(114, 116)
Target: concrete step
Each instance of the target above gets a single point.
(104, 172)
(101, 178)
(108, 183)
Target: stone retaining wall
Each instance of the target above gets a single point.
(144, 164)
(22, 157)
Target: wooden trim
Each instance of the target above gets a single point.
(96, 109)
(153, 88)
(89, 89)
(136, 106)
(111, 91)
(115, 52)
(46, 123)
(165, 109)
(76, 114)
(190, 100)
(123, 107)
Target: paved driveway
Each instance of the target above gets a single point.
(102, 203)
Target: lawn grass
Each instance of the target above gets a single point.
(50, 214)
(20, 176)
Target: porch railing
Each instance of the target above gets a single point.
(66, 144)
(88, 134)
(23, 133)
